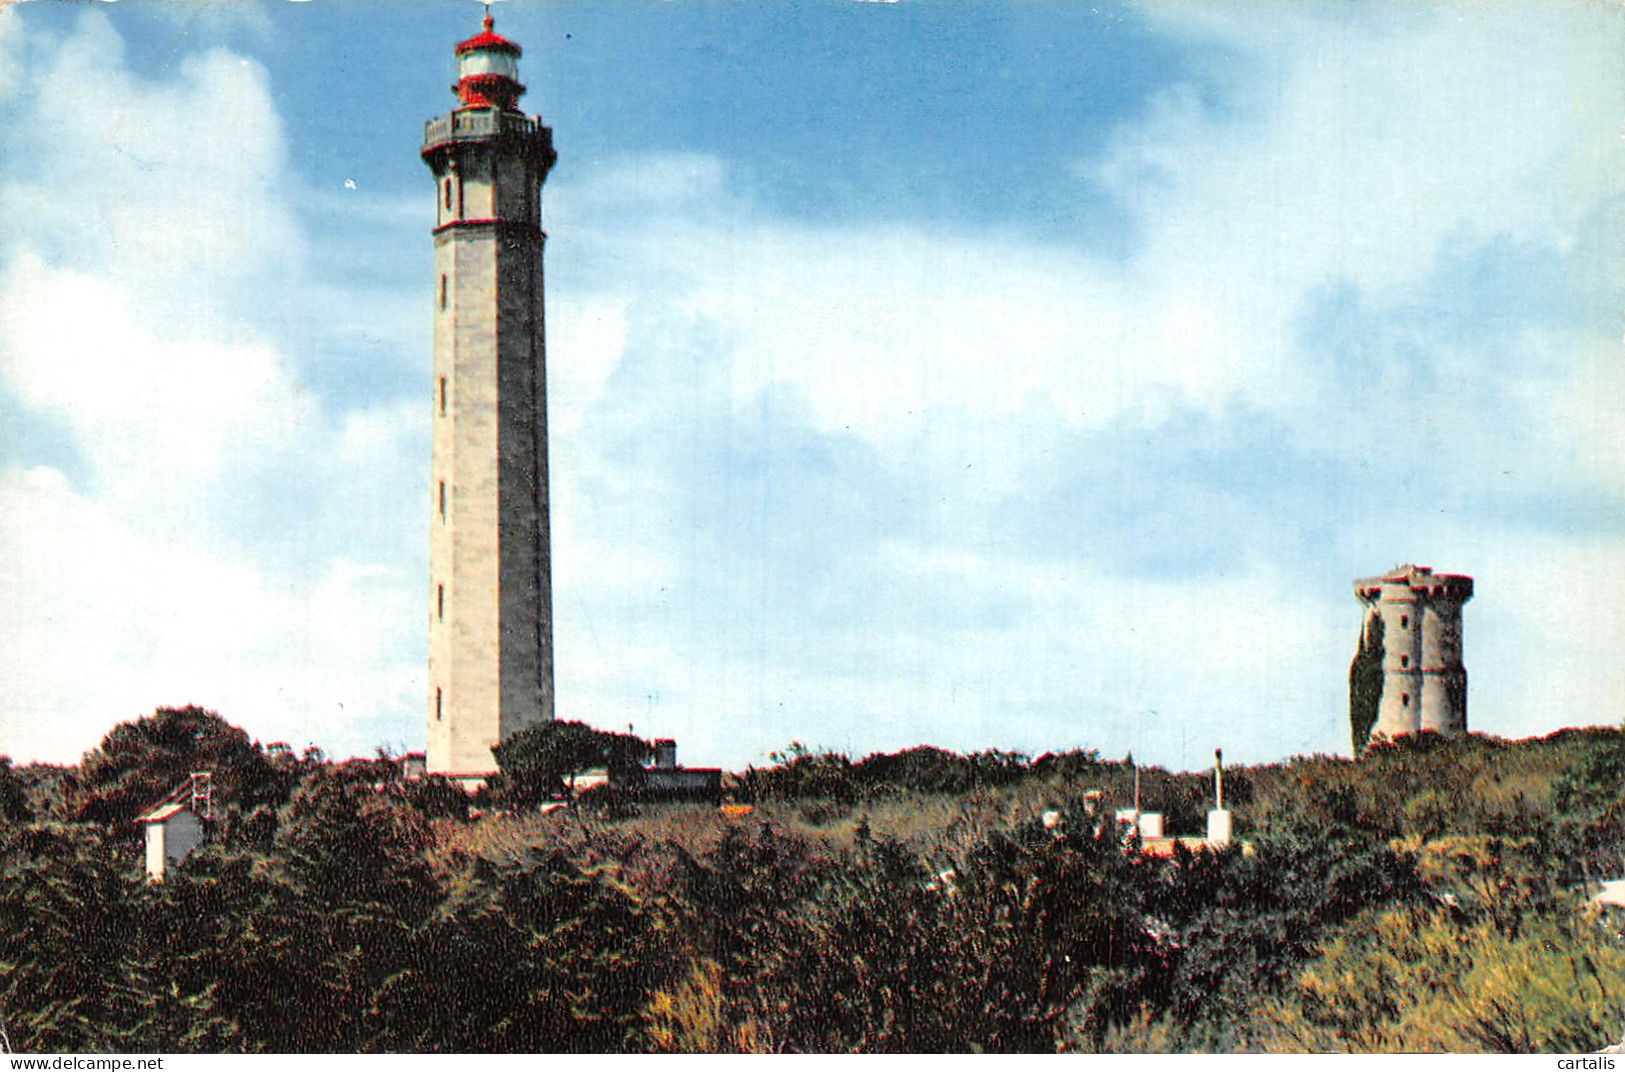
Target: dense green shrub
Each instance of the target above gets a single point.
(1422, 897)
(1424, 981)
(538, 763)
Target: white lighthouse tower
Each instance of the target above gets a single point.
(490, 586)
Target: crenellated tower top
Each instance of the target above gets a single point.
(1418, 579)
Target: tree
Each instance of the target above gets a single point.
(14, 806)
(1058, 936)
(66, 976)
(1590, 795)
(1365, 682)
(798, 773)
(343, 839)
(536, 764)
(537, 954)
(872, 964)
(1243, 924)
(139, 762)
(319, 926)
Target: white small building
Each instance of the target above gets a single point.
(175, 824)
(1148, 824)
(173, 831)
(1610, 894)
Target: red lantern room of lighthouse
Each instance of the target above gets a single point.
(487, 70)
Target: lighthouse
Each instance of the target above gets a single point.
(490, 584)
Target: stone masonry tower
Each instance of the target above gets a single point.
(490, 587)
(1424, 684)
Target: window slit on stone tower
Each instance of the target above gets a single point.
(442, 500)
(437, 703)
(440, 602)
(442, 290)
(442, 396)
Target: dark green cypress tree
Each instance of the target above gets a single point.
(1365, 682)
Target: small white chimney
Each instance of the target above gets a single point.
(1218, 819)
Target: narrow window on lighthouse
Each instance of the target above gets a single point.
(1404, 660)
(442, 292)
(1405, 621)
(448, 193)
(442, 500)
(440, 602)
(442, 396)
(437, 703)
(1404, 699)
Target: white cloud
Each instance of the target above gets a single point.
(234, 536)
(1585, 415)
(694, 182)
(1084, 659)
(153, 417)
(1362, 144)
(1355, 151)
(588, 336)
(878, 328)
(11, 31)
(229, 536)
(109, 622)
(174, 190)
(1366, 152)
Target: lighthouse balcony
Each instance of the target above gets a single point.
(484, 124)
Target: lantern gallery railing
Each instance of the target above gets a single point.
(475, 124)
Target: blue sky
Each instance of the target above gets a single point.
(1029, 376)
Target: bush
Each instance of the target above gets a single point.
(537, 763)
(1413, 980)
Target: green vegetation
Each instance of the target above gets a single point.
(1422, 898)
(539, 762)
(1365, 682)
